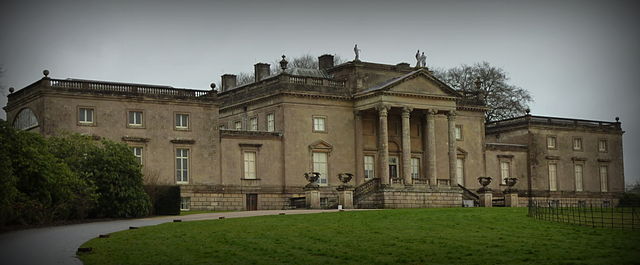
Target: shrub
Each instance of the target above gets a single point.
(165, 199)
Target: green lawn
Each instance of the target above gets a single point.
(406, 236)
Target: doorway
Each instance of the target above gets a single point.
(252, 202)
(393, 167)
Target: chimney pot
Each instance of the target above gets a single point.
(262, 71)
(228, 82)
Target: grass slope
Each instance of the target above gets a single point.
(405, 236)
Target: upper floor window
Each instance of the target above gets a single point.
(85, 116)
(458, 132)
(137, 152)
(135, 118)
(237, 125)
(369, 167)
(603, 145)
(319, 124)
(182, 121)
(271, 123)
(253, 124)
(577, 144)
(551, 142)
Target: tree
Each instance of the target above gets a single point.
(503, 99)
(306, 61)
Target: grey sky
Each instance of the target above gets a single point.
(579, 59)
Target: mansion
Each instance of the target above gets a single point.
(409, 139)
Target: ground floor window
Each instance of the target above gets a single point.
(460, 170)
(415, 168)
(137, 152)
(249, 165)
(185, 203)
(604, 176)
(320, 166)
(182, 165)
(505, 170)
(578, 175)
(369, 166)
(553, 169)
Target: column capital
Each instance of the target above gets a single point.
(357, 112)
(431, 112)
(451, 114)
(383, 108)
(406, 111)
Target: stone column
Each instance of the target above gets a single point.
(451, 119)
(406, 144)
(359, 148)
(431, 147)
(383, 144)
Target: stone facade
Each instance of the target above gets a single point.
(409, 139)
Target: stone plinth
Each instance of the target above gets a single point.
(312, 197)
(345, 196)
(486, 199)
(511, 199)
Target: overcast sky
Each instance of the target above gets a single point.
(579, 59)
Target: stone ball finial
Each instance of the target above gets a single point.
(11, 89)
(617, 119)
(213, 86)
(45, 73)
(527, 111)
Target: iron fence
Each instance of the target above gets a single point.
(587, 214)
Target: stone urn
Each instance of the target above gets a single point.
(312, 177)
(510, 183)
(345, 178)
(484, 181)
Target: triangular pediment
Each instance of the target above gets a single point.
(416, 82)
(321, 145)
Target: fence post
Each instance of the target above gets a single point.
(593, 223)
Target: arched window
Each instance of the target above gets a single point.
(25, 120)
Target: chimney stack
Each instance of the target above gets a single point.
(228, 82)
(262, 71)
(325, 61)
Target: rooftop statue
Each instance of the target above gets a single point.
(357, 52)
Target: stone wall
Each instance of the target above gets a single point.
(430, 198)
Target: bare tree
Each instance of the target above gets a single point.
(306, 61)
(3, 89)
(503, 99)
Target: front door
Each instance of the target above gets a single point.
(393, 167)
(252, 202)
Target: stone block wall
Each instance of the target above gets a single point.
(431, 198)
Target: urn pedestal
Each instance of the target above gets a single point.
(345, 196)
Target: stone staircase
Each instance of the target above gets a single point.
(468, 194)
(366, 195)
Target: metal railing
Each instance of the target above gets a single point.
(594, 215)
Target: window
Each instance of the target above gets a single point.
(553, 170)
(85, 116)
(577, 171)
(369, 166)
(25, 120)
(505, 168)
(319, 124)
(249, 165)
(253, 124)
(577, 144)
(603, 146)
(320, 166)
(604, 176)
(182, 121)
(271, 123)
(137, 152)
(135, 118)
(551, 142)
(185, 203)
(237, 125)
(182, 165)
(460, 170)
(415, 168)
(458, 132)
